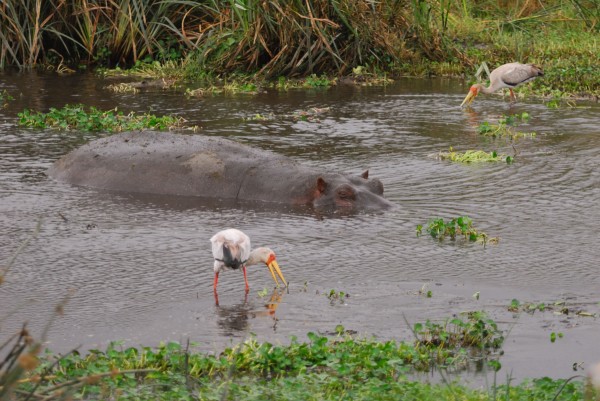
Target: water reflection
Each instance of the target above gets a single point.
(235, 319)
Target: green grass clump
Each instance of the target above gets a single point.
(339, 368)
(474, 156)
(77, 117)
(461, 227)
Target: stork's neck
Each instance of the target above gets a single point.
(481, 88)
(258, 255)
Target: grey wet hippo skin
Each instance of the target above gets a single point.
(194, 165)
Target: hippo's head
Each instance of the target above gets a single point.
(349, 193)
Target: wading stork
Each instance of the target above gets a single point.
(508, 76)
(231, 250)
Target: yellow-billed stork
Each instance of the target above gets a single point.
(508, 76)
(231, 250)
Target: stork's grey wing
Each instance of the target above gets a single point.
(518, 74)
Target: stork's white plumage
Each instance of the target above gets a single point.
(231, 250)
(508, 76)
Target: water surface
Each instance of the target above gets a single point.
(140, 269)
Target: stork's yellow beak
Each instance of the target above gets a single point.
(274, 267)
(469, 98)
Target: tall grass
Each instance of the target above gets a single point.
(271, 37)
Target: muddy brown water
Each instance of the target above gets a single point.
(140, 267)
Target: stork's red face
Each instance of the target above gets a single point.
(471, 95)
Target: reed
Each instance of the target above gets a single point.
(272, 38)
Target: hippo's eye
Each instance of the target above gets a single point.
(346, 192)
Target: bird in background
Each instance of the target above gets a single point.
(231, 250)
(508, 76)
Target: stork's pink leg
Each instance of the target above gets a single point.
(245, 278)
(512, 95)
(215, 282)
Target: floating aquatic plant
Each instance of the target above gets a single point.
(337, 296)
(477, 330)
(78, 117)
(461, 227)
(310, 115)
(506, 127)
(557, 307)
(474, 156)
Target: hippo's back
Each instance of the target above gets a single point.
(165, 163)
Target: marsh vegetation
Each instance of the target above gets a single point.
(216, 39)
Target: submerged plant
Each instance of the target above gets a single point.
(5, 97)
(461, 227)
(311, 115)
(77, 117)
(506, 127)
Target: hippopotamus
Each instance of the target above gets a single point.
(194, 165)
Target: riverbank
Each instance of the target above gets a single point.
(324, 368)
(254, 43)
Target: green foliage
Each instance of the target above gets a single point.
(76, 117)
(280, 38)
(557, 307)
(506, 128)
(554, 336)
(461, 227)
(337, 296)
(474, 156)
(478, 331)
(320, 369)
(314, 81)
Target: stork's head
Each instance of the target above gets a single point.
(473, 92)
(267, 256)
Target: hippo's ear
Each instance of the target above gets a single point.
(321, 185)
(365, 175)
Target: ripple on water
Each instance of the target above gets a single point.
(141, 267)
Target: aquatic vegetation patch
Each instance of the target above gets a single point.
(322, 368)
(122, 87)
(135, 87)
(315, 81)
(336, 297)
(461, 227)
(234, 87)
(506, 127)
(78, 117)
(5, 97)
(261, 117)
(311, 115)
(477, 331)
(557, 307)
(474, 156)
